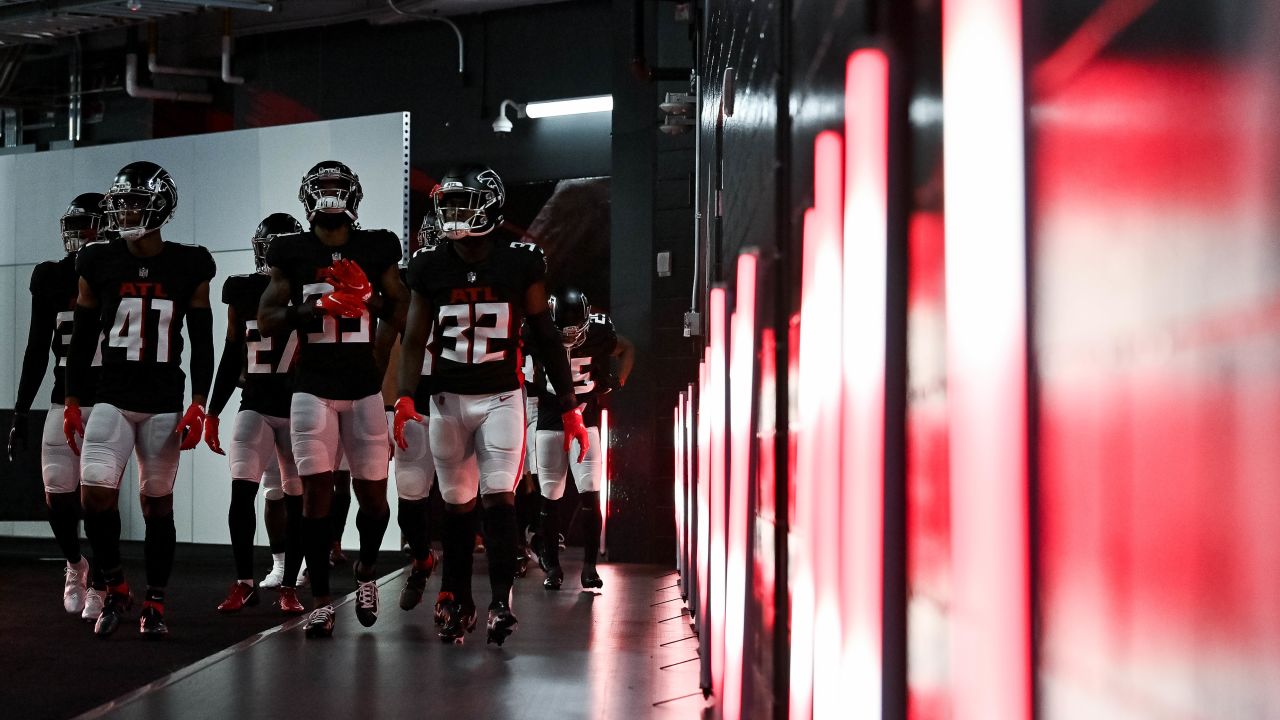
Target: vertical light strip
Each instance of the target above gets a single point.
(816, 670)
(983, 138)
(742, 386)
(717, 337)
(865, 307)
(677, 485)
(604, 480)
(703, 498)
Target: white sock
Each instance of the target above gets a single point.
(277, 559)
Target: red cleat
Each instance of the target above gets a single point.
(288, 602)
(240, 595)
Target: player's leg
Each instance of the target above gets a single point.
(453, 448)
(527, 497)
(500, 452)
(291, 503)
(274, 520)
(587, 474)
(314, 422)
(157, 451)
(363, 429)
(108, 440)
(250, 452)
(61, 471)
(552, 477)
(340, 509)
(415, 472)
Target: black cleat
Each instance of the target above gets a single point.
(151, 621)
(442, 606)
(459, 618)
(555, 578)
(502, 622)
(366, 599)
(320, 622)
(522, 562)
(591, 578)
(416, 584)
(114, 609)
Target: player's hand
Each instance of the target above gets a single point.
(347, 278)
(72, 425)
(211, 434)
(17, 435)
(191, 426)
(340, 304)
(575, 430)
(405, 411)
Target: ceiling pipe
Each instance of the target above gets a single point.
(227, 77)
(134, 90)
(434, 18)
(154, 66)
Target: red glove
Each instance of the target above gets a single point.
(340, 304)
(575, 430)
(347, 278)
(191, 426)
(211, 434)
(405, 411)
(72, 425)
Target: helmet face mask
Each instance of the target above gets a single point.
(468, 202)
(331, 188)
(429, 234)
(81, 222)
(271, 226)
(141, 200)
(571, 313)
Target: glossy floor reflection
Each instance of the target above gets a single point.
(614, 653)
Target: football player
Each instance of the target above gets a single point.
(475, 290)
(261, 434)
(329, 284)
(590, 342)
(140, 289)
(54, 286)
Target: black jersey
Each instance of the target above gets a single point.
(475, 345)
(268, 361)
(589, 366)
(335, 355)
(144, 301)
(56, 285)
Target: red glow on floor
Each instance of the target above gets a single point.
(983, 139)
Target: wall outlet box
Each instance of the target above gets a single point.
(664, 264)
(692, 324)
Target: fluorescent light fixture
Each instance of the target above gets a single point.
(569, 106)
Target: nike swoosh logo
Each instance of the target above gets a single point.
(505, 398)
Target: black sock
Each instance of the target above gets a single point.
(64, 518)
(551, 532)
(459, 539)
(338, 510)
(158, 548)
(242, 520)
(372, 524)
(414, 519)
(103, 530)
(97, 580)
(591, 522)
(500, 546)
(293, 542)
(275, 516)
(315, 539)
(526, 513)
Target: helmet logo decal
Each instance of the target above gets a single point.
(471, 277)
(490, 179)
(337, 256)
(143, 272)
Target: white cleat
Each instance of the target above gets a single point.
(75, 586)
(274, 578)
(92, 606)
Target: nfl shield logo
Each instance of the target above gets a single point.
(142, 272)
(337, 256)
(471, 277)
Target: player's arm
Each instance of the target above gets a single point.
(413, 348)
(391, 317)
(229, 365)
(44, 319)
(625, 351)
(546, 345)
(275, 315)
(200, 332)
(84, 337)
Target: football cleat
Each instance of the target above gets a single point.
(336, 556)
(288, 602)
(151, 621)
(75, 586)
(320, 623)
(555, 578)
(522, 562)
(442, 607)
(366, 599)
(479, 546)
(114, 608)
(591, 578)
(275, 578)
(238, 597)
(92, 605)
(502, 622)
(416, 583)
(459, 618)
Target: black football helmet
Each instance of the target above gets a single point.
(142, 198)
(429, 234)
(271, 226)
(330, 187)
(570, 312)
(81, 221)
(468, 201)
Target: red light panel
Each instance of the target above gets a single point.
(716, 383)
